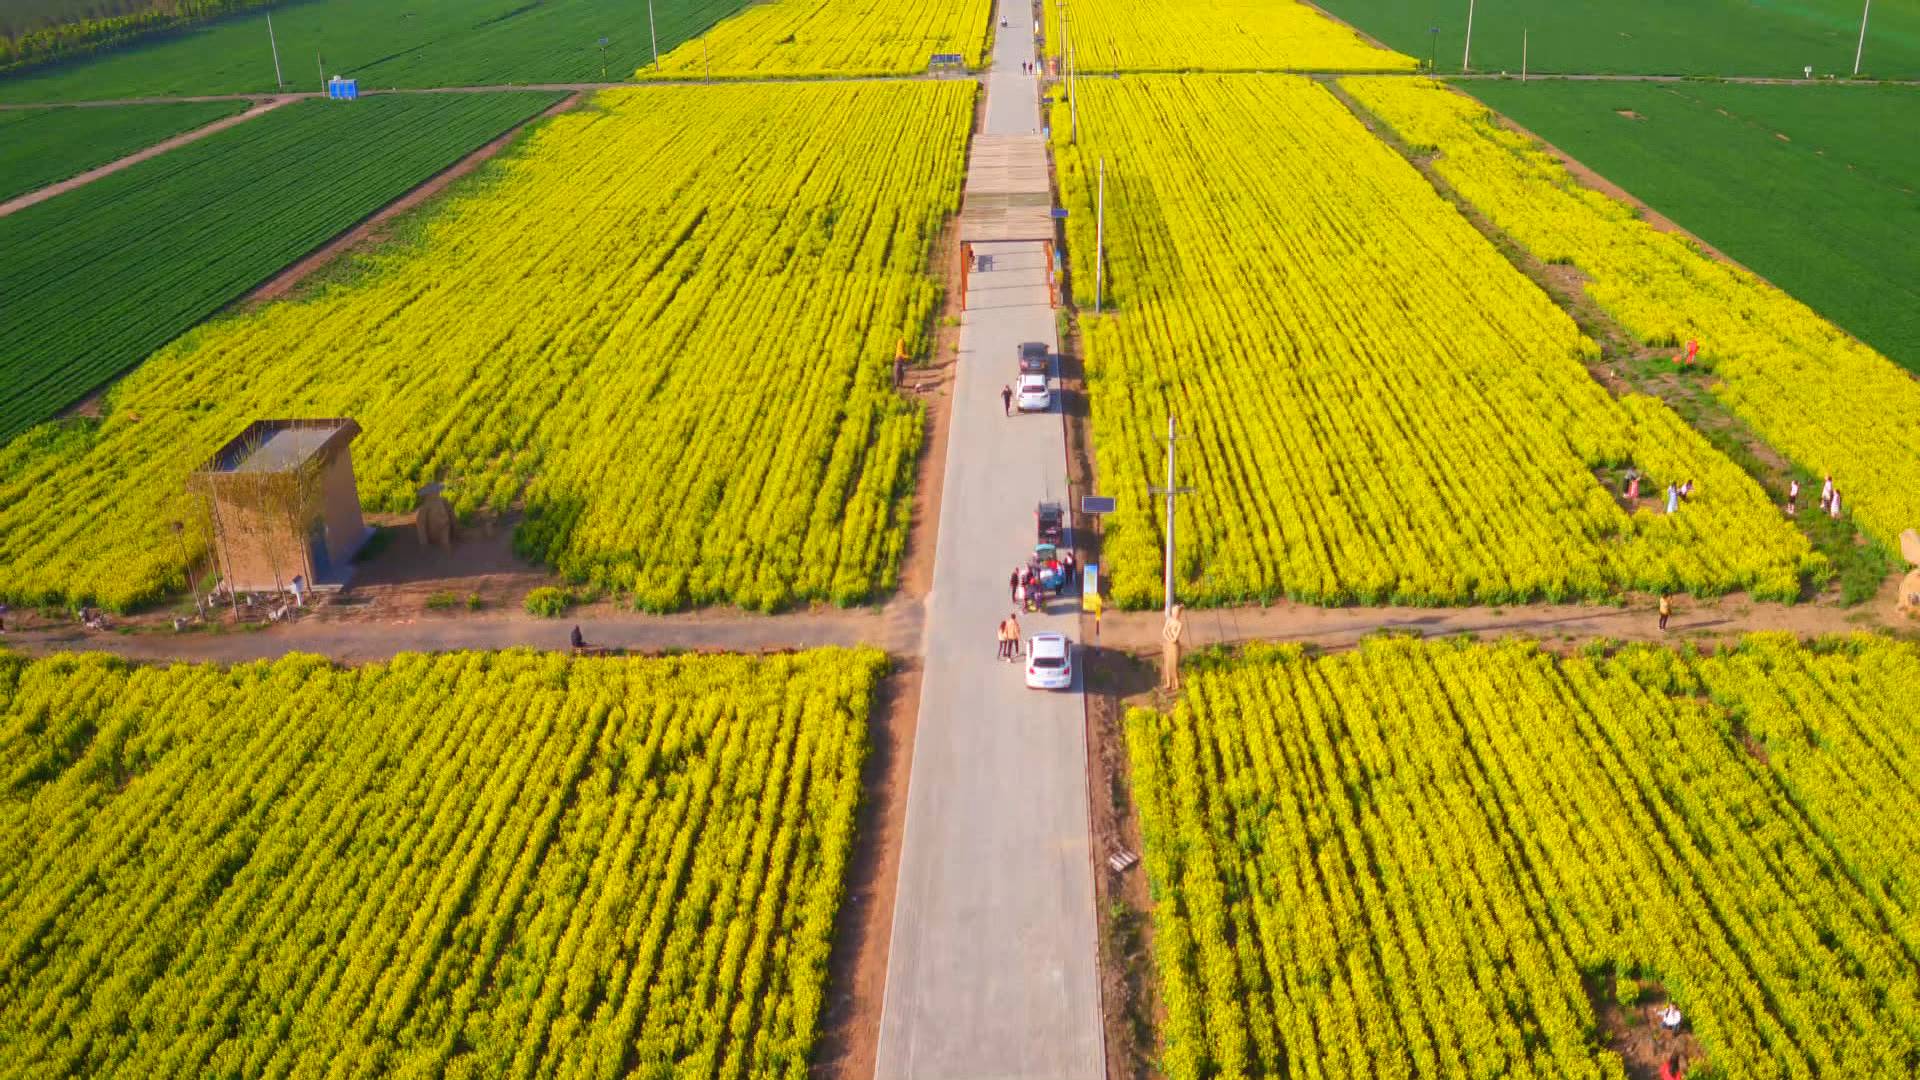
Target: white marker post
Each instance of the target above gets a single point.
(1862, 46)
(1466, 57)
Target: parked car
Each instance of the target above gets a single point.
(1035, 359)
(1049, 662)
(1035, 395)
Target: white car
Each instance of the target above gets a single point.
(1049, 662)
(1035, 396)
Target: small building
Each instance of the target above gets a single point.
(282, 503)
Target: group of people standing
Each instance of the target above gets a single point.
(1829, 498)
(1675, 492)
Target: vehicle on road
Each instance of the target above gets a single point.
(1049, 662)
(1035, 359)
(1047, 574)
(1035, 395)
(1049, 523)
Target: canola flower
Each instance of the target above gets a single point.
(1377, 405)
(830, 37)
(664, 326)
(1210, 35)
(471, 864)
(1821, 397)
(1406, 859)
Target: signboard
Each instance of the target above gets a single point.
(1090, 587)
(1096, 504)
(1059, 213)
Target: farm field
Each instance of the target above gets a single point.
(44, 146)
(677, 360)
(1649, 37)
(466, 864)
(1824, 400)
(1219, 35)
(1800, 184)
(835, 37)
(1377, 406)
(1420, 859)
(101, 276)
(420, 43)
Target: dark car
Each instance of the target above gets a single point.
(1034, 359)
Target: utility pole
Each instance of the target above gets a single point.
(186, 564)
(321, 63)
(1100, 238)
(1170, 491)
(654, 35)
(1467, 56)
(1862, 46)
(1433, 46)
(1523, 55)
(278, 82)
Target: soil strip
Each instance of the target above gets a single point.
(364, 232)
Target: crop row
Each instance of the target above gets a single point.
(673, 357)
(474, 864)
(99, 277)
(1419, 859)
(830, 37)
(1278, 35)
(1828, 402)
(1375, 404)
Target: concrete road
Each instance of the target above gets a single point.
(992, 965)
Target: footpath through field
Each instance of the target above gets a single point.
(991, 970)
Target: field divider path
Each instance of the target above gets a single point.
(33, 198)
(992, 964)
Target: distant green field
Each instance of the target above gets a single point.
(43, 146)
(98, 278)
(418, 43)
(1666, 37)
(1807, 185)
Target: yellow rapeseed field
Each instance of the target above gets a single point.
(665, 325)
(1210, 35)
(1377, 405)
(831, 37)
(1418, 859)
(1827, 401)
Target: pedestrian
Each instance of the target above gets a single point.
(1793, 497)
(1826, 492)
(1013, 584)
(1673, 498)
(1633, 487)
(1013, 637)
(1004, 640)
(1069, 567)
(1020, 594)
(576, 639)
(1686, 490)
(1666, 611)
(1834, 508)
(1006, 400)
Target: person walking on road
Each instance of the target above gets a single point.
(1004, 640)
(1666, 611)
(1006, 400)
(1013, 637)
(1013, 585)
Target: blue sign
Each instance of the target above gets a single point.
(1059, 213)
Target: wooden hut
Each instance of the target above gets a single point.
(283, 505)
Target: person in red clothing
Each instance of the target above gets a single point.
(1671, 1069)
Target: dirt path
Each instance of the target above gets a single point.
(894, 628)
(371, 229)
(32, 198)
(1553, 624)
